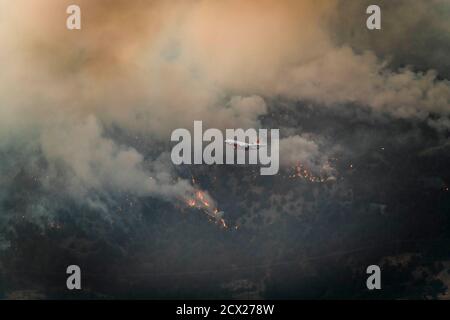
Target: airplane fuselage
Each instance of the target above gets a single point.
(244, 145)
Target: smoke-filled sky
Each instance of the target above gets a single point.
(85, 123)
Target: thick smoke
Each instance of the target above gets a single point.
(96, 163)
(148, 67)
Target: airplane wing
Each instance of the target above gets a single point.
(256, 146)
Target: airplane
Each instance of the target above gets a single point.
(244, 145)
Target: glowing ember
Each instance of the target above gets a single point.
(202, 201)
(300, 171)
